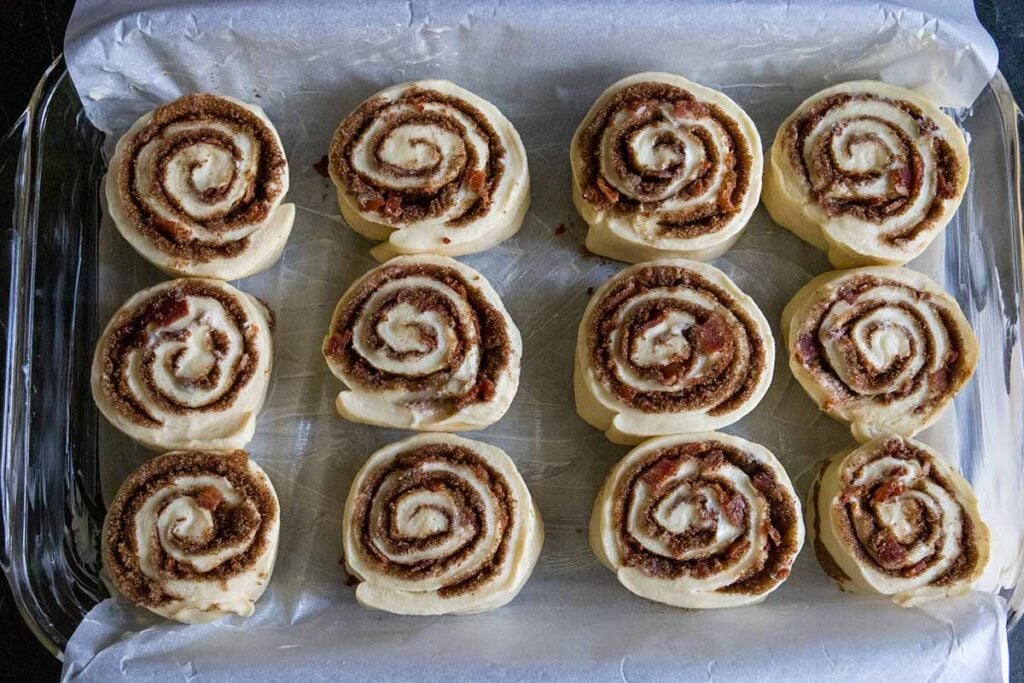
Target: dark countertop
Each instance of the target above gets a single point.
(31, 36)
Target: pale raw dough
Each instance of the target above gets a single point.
(422, 512)
(192, 427)
(626, 424)
(266, 240)
(436, 234)
(637, 236)
(166, 514)
(868, 467)
(850, 240)
(907, 402)
(676, 513)
(404, 409)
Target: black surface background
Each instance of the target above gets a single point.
(31, 36)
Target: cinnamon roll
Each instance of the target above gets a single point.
(883, 349)
(891, 517)
(185, 365)
(428, 166)
(670, 346)
(192, 535)
(868, 172)
(439, 524)
(423, 342)
(698, 521)
(196, 187)
(663, 167)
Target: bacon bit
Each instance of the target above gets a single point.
(712, 461)
(702, 569)
(609, 192)
(660, 472)
(918, 169)
(712, 335)
(736, 550)
(169, 564)
(393, 206)
(639, 106)
(940, 380)
(763, 481)
(913, 570)
(371, 203)
(168, 310)
(173, 231)
(851, 494)
(476, 180)
(322, 167)
(670, 373)
(773, 534)
(483, 390)
(446, 240)
(848, 294)
(560, 229)
(689, 108)
(734, 508)
(901, 178)
(887, 490)
(806, 348)
(725, 193)
(337, 343)
(887, 548)
(780, 573)
(209, 498)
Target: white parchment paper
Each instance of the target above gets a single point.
(308, 64)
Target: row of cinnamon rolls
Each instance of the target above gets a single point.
(662, 167)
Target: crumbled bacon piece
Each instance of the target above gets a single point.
(337, 343)
(476, 180)
(371, 203)
(887, 490)
(690, 108)
(172, 230)
(712, 461)
(483, 390)
(806, 348)
(725, 203)
(393, 206)
(734, 508)
(660, 472)
(322, 166)
(609, 192)
(901, 178)
(887, 549)
(670, 373)
(713, 335)
(773, 534)
(167, 311)
(940, 380)
(702, 569)
(762, 481)
(848, 294)
(209, 498)
(915, 569)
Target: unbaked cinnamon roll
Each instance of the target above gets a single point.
(868, 172)
(439, 524)
(698, 521)
(891, 517)
(196, 187)
(670, 346)
(428, 166)
(192, 535)
(423, 342)
(664, 167)
(883, 349)
(185, 365)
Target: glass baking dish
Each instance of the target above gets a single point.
(51, 167)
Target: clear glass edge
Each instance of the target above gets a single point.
(18, 347)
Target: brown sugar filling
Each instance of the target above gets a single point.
(486, 329)
(263, 191)
(904, 168)
(404, 206)
(139, 330)
(642, 102)
(942, 382)
(870, 540)
(726, 384)
(233, 525)
(781, 532)
(407, 474)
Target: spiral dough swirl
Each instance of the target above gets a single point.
(185, 364)
(440, 524)
(192, 535)
(423, 342)
(892, 517)
(869, 172)
(196, 187)
(665, 167)
(884, 349)
(430, 167)
(698, 521)
(670, 346)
